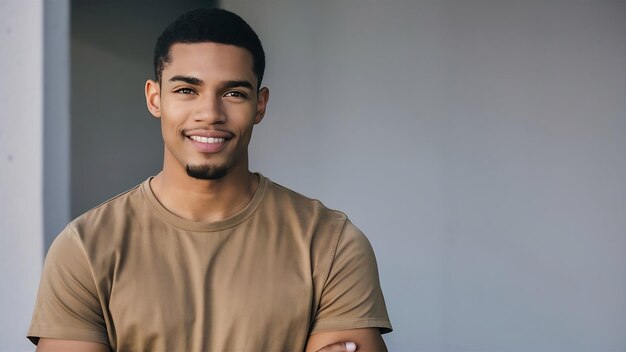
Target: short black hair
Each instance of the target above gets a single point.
(209, 25)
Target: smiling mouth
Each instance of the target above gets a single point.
(207, 140)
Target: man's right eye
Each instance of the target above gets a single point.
(184, 91)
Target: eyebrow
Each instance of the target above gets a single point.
(234, 84)
(227, 84)
(187, 79)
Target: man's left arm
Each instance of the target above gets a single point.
(352, 307)
(365, 340)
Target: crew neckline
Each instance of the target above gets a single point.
(202, 226)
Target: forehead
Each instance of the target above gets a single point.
(209, 61)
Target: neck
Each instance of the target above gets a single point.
(204, 200)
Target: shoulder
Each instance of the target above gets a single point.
(103, 229)
(113, 210)
(318, 227)
(329, 233)
(300, 206)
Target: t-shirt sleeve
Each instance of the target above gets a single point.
(67, 304)
(352, 297)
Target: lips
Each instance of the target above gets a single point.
(208, 141)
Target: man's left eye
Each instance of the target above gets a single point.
(235, 94)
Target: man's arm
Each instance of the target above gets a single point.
(367, 340)
(58, 345)
(352, 307)
(68, 307)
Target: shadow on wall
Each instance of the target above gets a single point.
(115, 142)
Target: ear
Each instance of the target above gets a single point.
(153, 98)
(262, 97)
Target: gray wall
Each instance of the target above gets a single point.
(480, 146)
(21, 167)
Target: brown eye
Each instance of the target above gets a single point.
(185, 91)
(235, 94)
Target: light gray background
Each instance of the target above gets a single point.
(479, 144)
(21, 166)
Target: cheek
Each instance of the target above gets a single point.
(173, 115)
(240, 114)
(170, 127)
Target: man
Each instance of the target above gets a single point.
(207, 256)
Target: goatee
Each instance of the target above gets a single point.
(206, 172)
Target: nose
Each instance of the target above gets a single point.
(209, 110)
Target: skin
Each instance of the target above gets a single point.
(366, 340)
(58, 345)
(210, 90)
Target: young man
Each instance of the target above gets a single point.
(207, 256)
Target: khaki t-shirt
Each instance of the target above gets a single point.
(136, 277)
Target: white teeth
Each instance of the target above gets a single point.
(207, 139)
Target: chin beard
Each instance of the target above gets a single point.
(206, 172)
